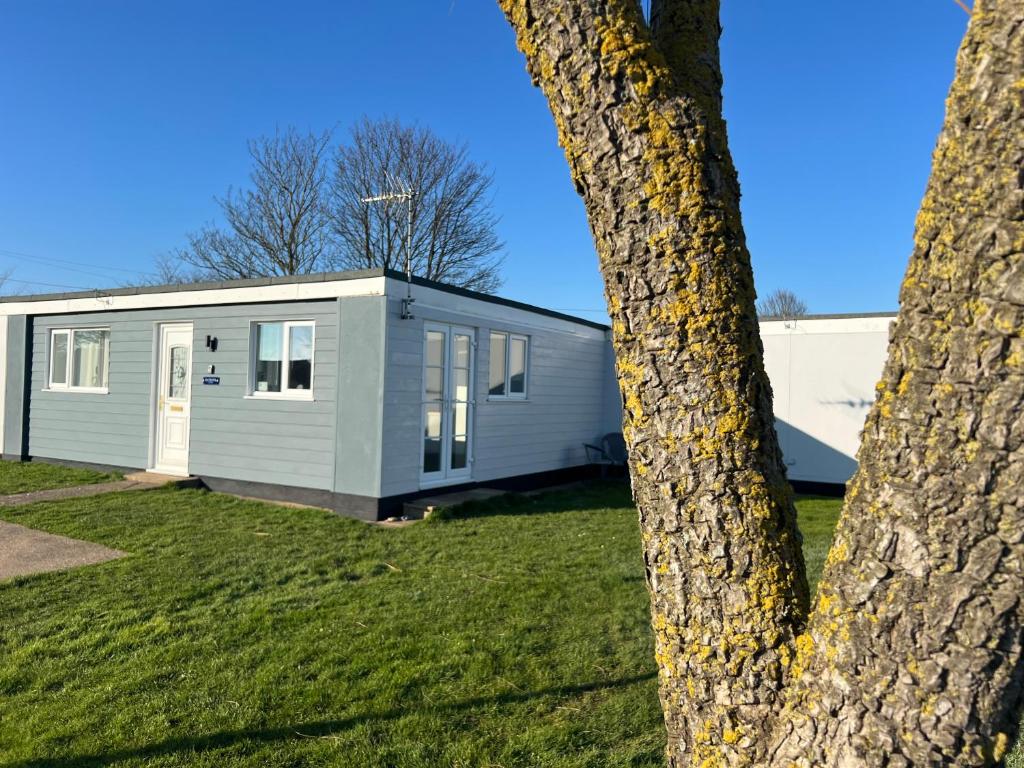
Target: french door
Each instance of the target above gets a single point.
(447, 453)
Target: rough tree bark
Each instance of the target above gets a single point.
(912, 656)
(648, 153)
(914, 651)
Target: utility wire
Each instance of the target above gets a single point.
(47, 285)
(73, 269)
(71, 264)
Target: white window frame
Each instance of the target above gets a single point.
(285, 393)
(67, 386)
(509, 395)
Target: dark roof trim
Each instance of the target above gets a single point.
(394, 274)
(321, 277)
(357, 274)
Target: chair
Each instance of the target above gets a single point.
(610, 453)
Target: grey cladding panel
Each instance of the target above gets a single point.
(361, 383)
(568, 404)
(233, 436)
(15, 406)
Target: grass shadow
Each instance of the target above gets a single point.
(588, 495)
(313, 729)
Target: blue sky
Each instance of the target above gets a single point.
(120, 121)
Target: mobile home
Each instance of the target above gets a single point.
(335, 390)
(327, 389)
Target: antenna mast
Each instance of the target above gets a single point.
(398, 190)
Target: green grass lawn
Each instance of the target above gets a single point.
(22, 477)
(240, 633)
(817, 516)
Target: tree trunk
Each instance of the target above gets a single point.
(648, 153)
(913, 654)
(914, 651)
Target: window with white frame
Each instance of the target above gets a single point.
(508, 366)
(282, 359)
(79, 359)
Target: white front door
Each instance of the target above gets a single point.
(448, 401)
(173, 399)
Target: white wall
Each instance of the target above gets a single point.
(823, 373)
(3, 377)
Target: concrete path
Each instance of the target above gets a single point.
(421, 508)
(72, 492)
(136, 481)
(25, 551)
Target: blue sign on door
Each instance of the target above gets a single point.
(211, 379)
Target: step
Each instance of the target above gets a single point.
(425, 507)
(156, 478)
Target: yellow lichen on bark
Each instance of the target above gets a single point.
(698, 317)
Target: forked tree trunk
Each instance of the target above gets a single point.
(913, 653)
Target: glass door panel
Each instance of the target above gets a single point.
(177, 386)
(434, 369)
(461, 360)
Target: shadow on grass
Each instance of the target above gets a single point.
(313, 729)
(588, 495)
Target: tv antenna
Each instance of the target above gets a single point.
(398, 190)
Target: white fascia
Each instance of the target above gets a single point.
(363, 286)
(815, 325)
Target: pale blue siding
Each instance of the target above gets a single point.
(361, 434)
(235, 437)
(572, 400)
(361, 383)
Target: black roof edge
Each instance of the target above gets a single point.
(492, 299)
(357, 274)
(319, 277)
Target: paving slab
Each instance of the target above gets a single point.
(136, 481)
(159, 478)
(26, 551)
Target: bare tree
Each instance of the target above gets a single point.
(280, 225)
(913, 654)
(171, 269)
(453, 224)
(783, 304)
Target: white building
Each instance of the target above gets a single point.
(823, 370)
